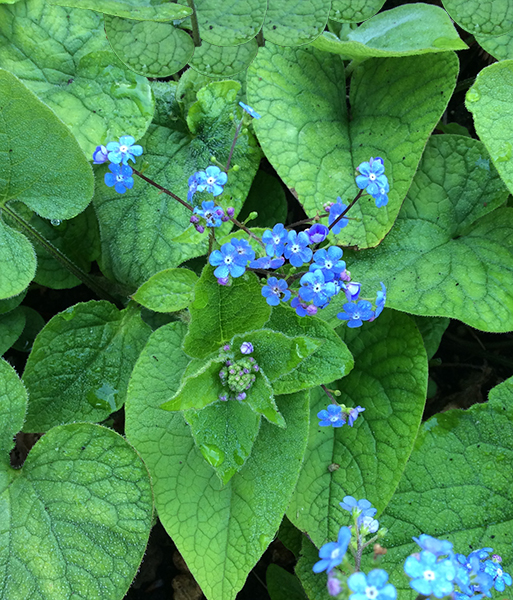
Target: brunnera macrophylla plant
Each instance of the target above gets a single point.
(281, 234)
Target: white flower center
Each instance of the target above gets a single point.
(276, 239)
(334, 418)
(295, 248)
(328, 264)
(371, 592)
(372, 176)
(356, 316)
(335, 553)
(429, 575)
(211, 180)
(499, 572)
(227, 260)
(317, 287)
(119, 178)
(123, 149)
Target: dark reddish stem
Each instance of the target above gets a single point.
(342, 215)
(163, 189)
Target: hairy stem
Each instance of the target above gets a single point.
(342, 215)
(237, 131)
(163, 189)
(194, 22)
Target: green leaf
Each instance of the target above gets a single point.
(140, 229)
(224, 433)
(354, 11)
(295, 22)
(142, 10)
(17, 261)
(11, 303)
(261, 400)
(490, 101)
(148, 48)
(13, 404)
(282, 585)
(229, 22)
(224, 61)
(490, 17)
(389, 380)
(330, 361)
(499, 46)
(79, 515)
(290, 536)
(457, 485)
(449, 253)
(219, 312)
(34, 322)
(316, 147)
(402, 31)
(221, 532)
(81, 362)
(432, 330)
(11, 327)
(167, 291)
(267, 198)
(61, 55)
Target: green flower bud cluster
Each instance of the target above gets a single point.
(238, 375)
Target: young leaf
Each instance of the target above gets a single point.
(389, 380)
(293, 23)
(80, 364)
(167, 291)
(316, 146)
(449, 253)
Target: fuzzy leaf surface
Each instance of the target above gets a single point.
(13, 405)
(223, 61)
(167, 291)
(490, 17)
(354, 11)
(11, 327)
(142, 10)
(295, 22)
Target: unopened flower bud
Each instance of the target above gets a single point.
(246, 348)
(230, 211)
(194, 219)
(223, 280)
(200, 228)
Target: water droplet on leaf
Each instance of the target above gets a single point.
(473, 95)
(212, 454)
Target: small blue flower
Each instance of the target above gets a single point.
(381, 298)
(355, 314)
(124, 150)
(352, 290)
(434, 545)
(500, 578)
(210, 212)
(353, 415)
(297, 250)
(275, 240)
(332, 417)
(430, 576)
(381, 197)
(265, 262)
(317, 233)
(302, 308)
(275, 291)
(226, 261)
(332, 553)
(215, 179)
(370, 524)
(120, 177)
(250, 111)
(244, 250)
(361, 507)
(371, 178)
(328, 261)
(197, 182)
(335, 211)
(315, 289)
(246, 348)
(100, 155)
(373, 586)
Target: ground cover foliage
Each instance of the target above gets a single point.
(254, 260)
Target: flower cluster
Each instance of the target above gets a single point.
(373, 180)
(118, 153)
(238, 375)
(336, 415)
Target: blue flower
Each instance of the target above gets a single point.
(196, 183)
(250, 111)
(315, 289)
(355, 314)
(363, 508)
(353, 415)
(352, 290)
(433, 545)
(430, 576)
(332, 553)
(265, 262)
(246, 348)
(120, 177)
(374, 585)
(100, 155)
(244, 250)
(370, 524)
(332, 417)
(227, 262)
(381, 298)
(500, 578)
(215, 179)
(210, 212)
(381, 197)
(335, 211)
(303, 309)
(275, 240)
(124, 150)
(297, 250)
(317, 233)
(275, 291)
(328, 261)
(372, 177)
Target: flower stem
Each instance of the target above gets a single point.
(341, 216)
(237, 131)
(329, 394)
(163, 189)
(194, 22)
(244, 228)
(92, 283)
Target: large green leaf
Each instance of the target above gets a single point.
(141, 229)
(315, 145)
(61, 55)
(149, 48)
(402, 31)
(354, 11)
(167, 291)
(488, 17)
(81, 362)
(295, 22)
(449, 253)
(75, 519)
(220, 531)
(389, 380)
(223, 61)
(499, 46)
(490, 100)
(143, 10)
(13, 405)
(457, 485)
(34, 145)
